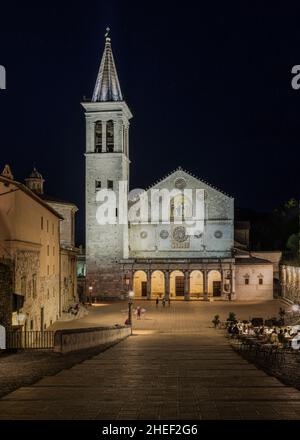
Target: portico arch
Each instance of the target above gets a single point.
(214, 283)
(177, 284)
(140, 284)
(158, 284)
(196, 283)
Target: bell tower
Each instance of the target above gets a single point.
(107, 164)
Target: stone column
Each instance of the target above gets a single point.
(282, 280)
(149, 284)
(298, 284)
(127, 140)
(232, 282)
(223, 277)
(187, 285)
(205, 284)
(167, 283)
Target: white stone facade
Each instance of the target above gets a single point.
(159, 258)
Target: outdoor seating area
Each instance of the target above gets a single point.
(270, 344)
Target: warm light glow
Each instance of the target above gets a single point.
(295, 308)
(131, 294)
(90, 288)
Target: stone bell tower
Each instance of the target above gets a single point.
(107, 163)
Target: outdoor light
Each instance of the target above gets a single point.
(131, 294)
(295, 308)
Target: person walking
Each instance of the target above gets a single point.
(164, 302)
(138, 312)
(157, 301)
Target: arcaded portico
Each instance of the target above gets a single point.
(180, 280)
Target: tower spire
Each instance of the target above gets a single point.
(107, 86)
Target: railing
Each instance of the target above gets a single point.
(18, 340)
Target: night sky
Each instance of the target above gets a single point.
(209, 87)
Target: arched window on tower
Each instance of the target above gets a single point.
(110, 136)
(98, 137)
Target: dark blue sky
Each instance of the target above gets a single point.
(209, 87)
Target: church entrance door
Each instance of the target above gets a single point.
(216, 288)
(144, 288)
(179, 286)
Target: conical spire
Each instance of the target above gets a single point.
(107, 85)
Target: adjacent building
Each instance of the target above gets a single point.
(37, 248)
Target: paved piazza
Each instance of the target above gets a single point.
(175, 366)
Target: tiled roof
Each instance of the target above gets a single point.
(107, 85)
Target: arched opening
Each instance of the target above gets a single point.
(110, 136)
(180, 208)
(158, 284)
(98, 137)
(214, 283)
(140, 284)
(196, 283)
(177, 284)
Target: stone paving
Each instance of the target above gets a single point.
(175, 366)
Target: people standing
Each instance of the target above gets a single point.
(164, 302)
(157, 301)
(138, 312)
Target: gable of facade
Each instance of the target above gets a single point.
(210, 237)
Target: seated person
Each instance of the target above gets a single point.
(274, 337)
(296, 341)
(281, 337)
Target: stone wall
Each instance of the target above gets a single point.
(254, 290)
(69, 340)
(6, 290)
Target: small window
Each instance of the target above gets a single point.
(48, 251)
(110, 184)
(117, 212)
(261, 281)
(48, 270)
(31, 324)
(47, 225)
(53, 251)
(98, 185)
(246, 281)
(52, 228)
(42, 223)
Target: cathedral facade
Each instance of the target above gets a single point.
(187, 251)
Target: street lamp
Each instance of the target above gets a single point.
(130, 302)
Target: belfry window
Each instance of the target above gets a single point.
(98, 137)
(98, 185)
(110, 136)
(110, 184)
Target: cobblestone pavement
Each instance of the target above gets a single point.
(175, 366)
(25, 368)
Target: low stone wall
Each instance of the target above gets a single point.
(66, 341)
